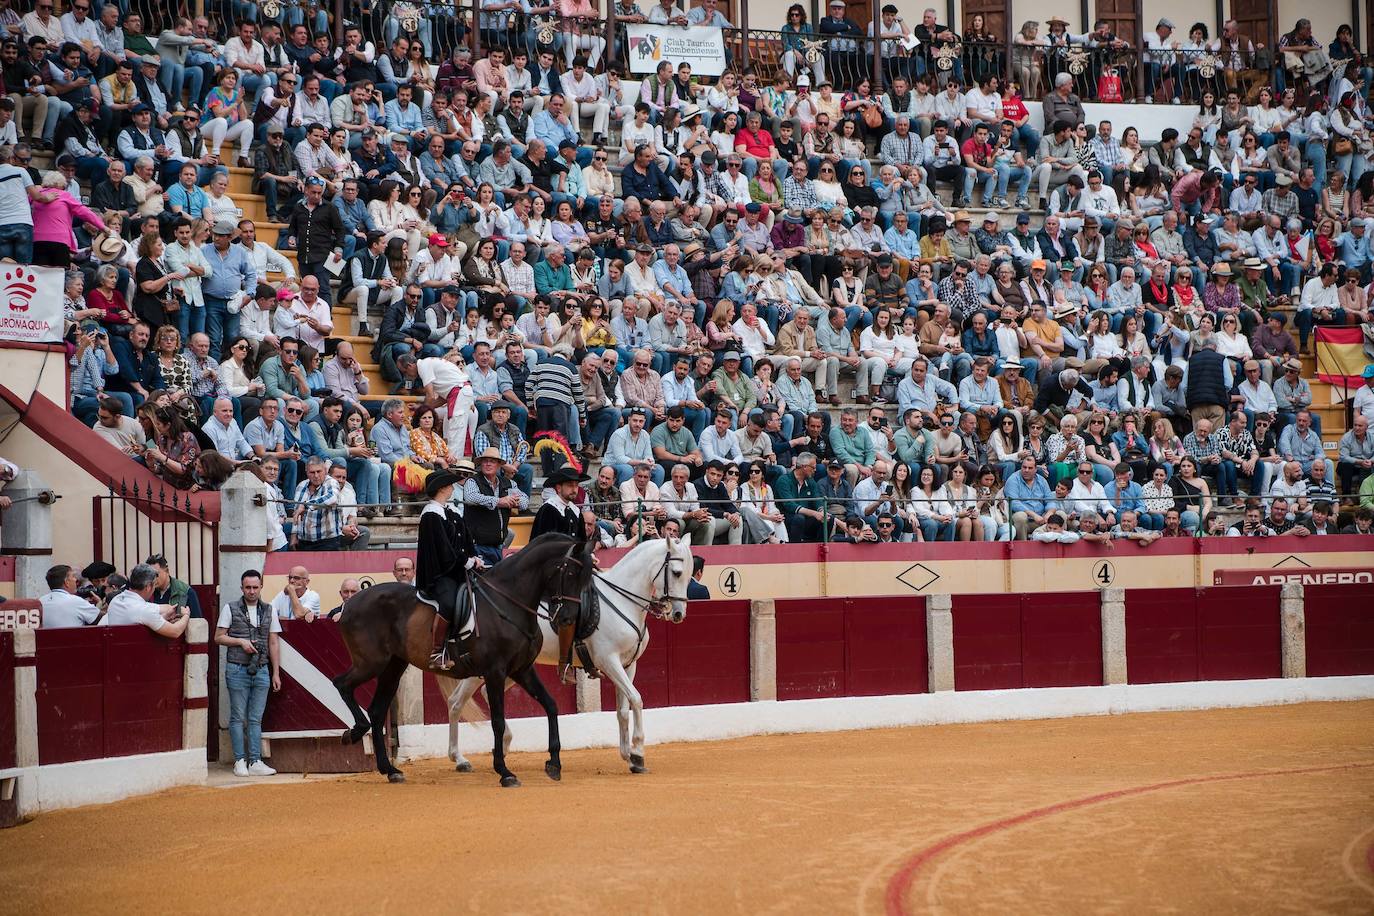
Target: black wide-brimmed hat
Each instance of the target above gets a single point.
(564, 474)
(444, 477)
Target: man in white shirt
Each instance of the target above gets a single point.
(62, 606)
(297, 601)
(1087, 495)
(123, 432)
(1257, 396)
(133, 606)
(225, 433)
(1319, 304)
(264, 257)
(355, 536)
(246, 54)
(679, 497)
(585, 98)
(250, 637)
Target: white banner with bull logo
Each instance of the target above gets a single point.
(30, 303)
(701, 46)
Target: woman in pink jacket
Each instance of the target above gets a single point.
(55, 212)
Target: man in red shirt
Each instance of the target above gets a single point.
(978, 156)
(753, 144)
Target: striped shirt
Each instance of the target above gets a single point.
(554, 379)
(320, 520)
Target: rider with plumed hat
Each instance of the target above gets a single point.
(445, 555)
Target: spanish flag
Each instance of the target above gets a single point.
(1340, 356)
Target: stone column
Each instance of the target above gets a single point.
(1113, 636)
(28, 533)
(940, 643)
(410, 698)
(588, 693)
(195, 691)
(25, 698)
(1293, 629)
(242, 546)
(763, 650)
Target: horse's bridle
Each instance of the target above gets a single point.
(658, 607)
(480, 583)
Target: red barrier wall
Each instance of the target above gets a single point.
(704, 659)
(294, 708)
(1340, 629)
(8, 735)
(107, 692)
(1043, 640)
(1209, 634)
(835, 647)
(519, 705)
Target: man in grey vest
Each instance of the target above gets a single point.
(248, 630)
(369, 284)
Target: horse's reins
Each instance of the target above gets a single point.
(654, 606)
(480, 583)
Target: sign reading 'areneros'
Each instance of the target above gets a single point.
(1345, 575)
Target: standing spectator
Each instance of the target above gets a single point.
(134, 605)
(248, 630)
(231, 276)
(17, 194)
(62, 606)
(316, 231)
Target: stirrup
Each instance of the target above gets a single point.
(567, 675)
(440, 659)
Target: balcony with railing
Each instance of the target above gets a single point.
(1111, 71)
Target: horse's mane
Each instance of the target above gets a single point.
(528, 560)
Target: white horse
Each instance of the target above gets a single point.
(651, 578)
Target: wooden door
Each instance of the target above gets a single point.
(996, 17)
(1255, 19)
(1124, 17)
(861, 12)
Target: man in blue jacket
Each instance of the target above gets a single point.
(644, 180)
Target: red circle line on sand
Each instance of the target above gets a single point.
(900, 883)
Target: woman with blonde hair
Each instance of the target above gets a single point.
(1028, 56)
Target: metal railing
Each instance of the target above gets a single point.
(131, 524)
(1101, 71)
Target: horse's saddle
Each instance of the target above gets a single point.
(588, 618)
(464, 613)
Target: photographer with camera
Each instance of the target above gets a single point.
(248, 630)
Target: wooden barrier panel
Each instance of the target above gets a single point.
(307, 692)
(1340, 629)
(1042, 640)
(8, 735)
(704, 659)
(1161, 635)
(835, 647)
(1206, 634)
(107, 692)
(1239, 633)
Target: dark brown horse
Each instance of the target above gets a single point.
(386, 628)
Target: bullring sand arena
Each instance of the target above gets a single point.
(1263, 810)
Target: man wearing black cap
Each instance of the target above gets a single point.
(444, 554)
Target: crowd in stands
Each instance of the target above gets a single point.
(683, 279)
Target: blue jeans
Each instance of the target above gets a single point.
(600, 424)
(16, 241)
(191, 320)
(176, 77)
(219, 324)
(932, 530)
(371, 481)
(1005, 173)
(247, 700)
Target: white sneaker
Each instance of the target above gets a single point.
(240, 767)
(261, 769)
